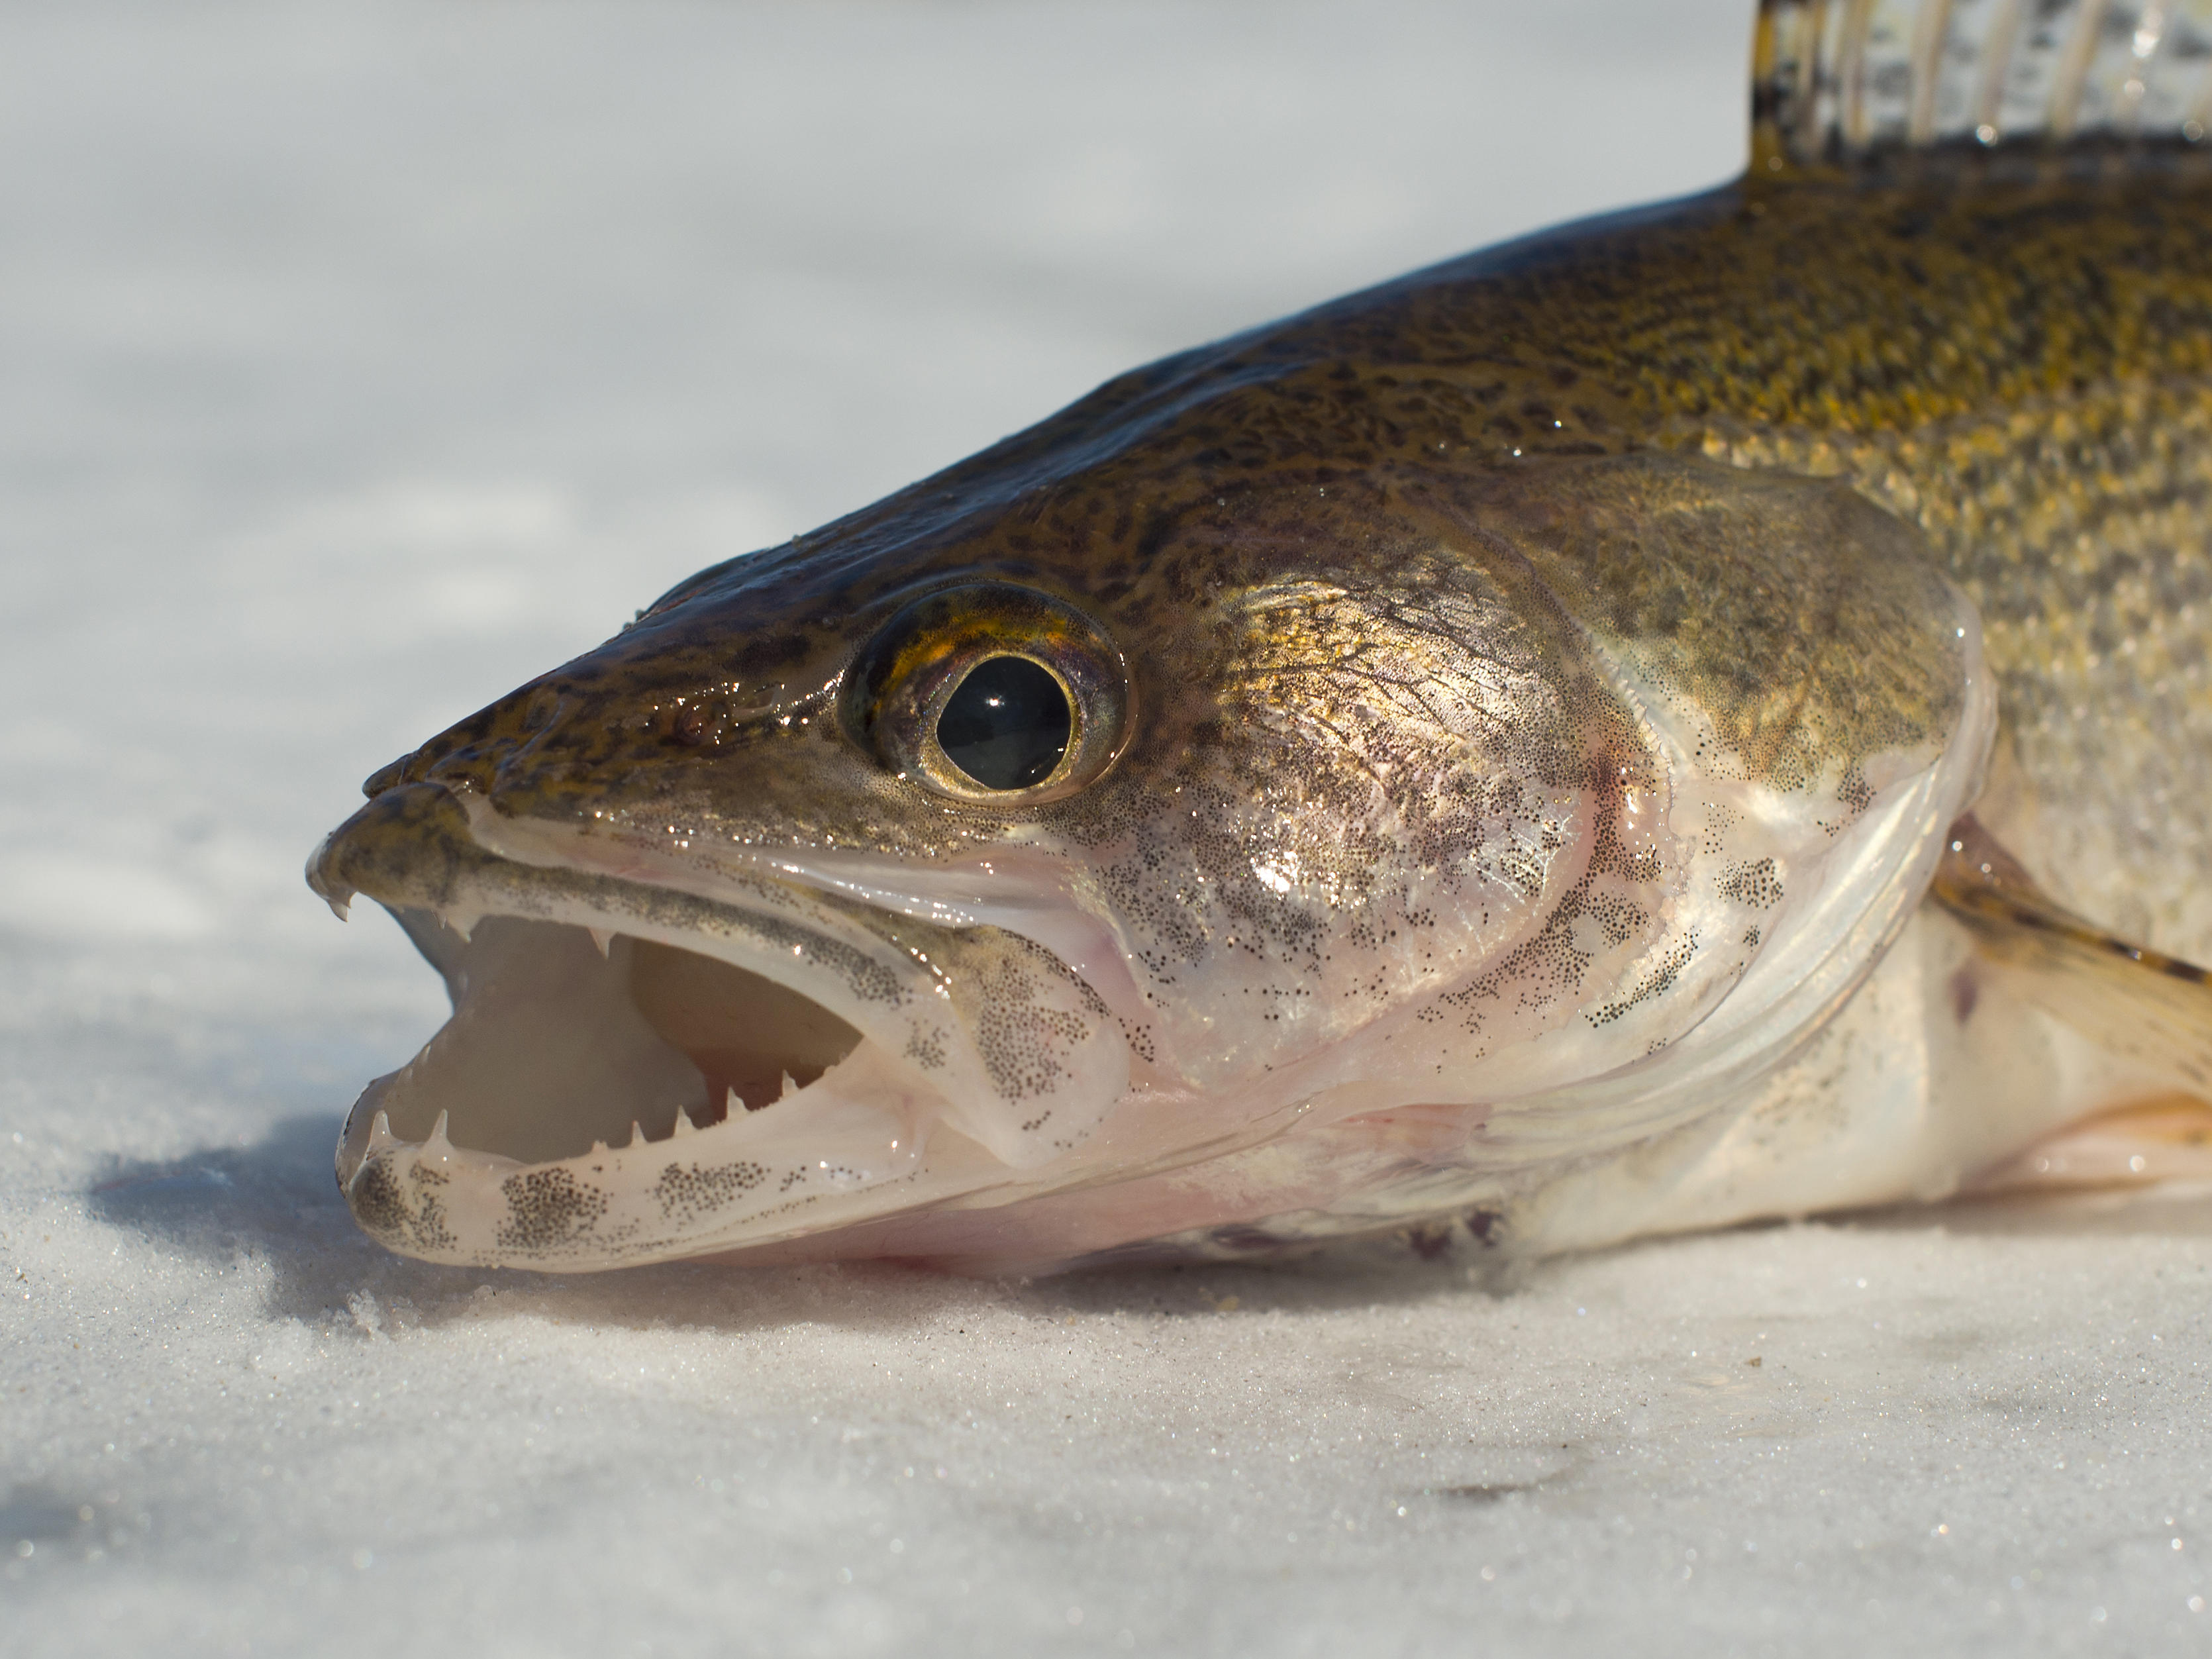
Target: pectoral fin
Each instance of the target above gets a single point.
(2126, 998)
(2151, 1008)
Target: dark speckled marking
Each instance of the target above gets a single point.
(1022, 1040)
(376, 1201)
(429, 1230)
(1754, 882)
(407, 1213)
(689, 1193)
(548, 1208)
(1656, 981)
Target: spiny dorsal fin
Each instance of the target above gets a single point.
(1845, 83)
(2125, 998)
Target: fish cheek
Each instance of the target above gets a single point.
(1388, 784)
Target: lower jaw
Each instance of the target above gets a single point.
(590, 1106)
(595, 1102)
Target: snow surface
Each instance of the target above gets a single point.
(361, 361)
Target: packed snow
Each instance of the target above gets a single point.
(363, 360)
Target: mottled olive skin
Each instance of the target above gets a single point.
(2019, 372)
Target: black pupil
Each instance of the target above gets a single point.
(1007, 725)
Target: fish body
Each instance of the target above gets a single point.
(1678, 717)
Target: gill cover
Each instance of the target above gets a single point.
(1790, 708)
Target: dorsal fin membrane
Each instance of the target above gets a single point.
(1845, 82)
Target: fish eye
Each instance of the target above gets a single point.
(990, 692)
(1006, 725)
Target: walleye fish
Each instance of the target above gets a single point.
(1699, 714)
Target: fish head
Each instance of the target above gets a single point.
(1116, 850)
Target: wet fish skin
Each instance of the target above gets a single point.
(2010, 369)
(1370, 571)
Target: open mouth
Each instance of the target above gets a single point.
(634, 1069)
(564, 1037)
(754, 1041)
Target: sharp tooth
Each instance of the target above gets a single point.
(380, 1132)
(732, 1103)
(437, 1142)
(790, 1086)
(636, 1133)
(601, 937)
(461, 923)
(683, 1124)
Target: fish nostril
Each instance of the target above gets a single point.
(694, 725)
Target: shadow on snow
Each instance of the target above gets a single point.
(276, 1202)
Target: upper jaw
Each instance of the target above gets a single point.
(974, 1056)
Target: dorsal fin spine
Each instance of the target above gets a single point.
(1996, 59)
(1930, 26)
(1841, 82)
(2073, 80)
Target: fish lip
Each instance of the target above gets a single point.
(421, 850)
